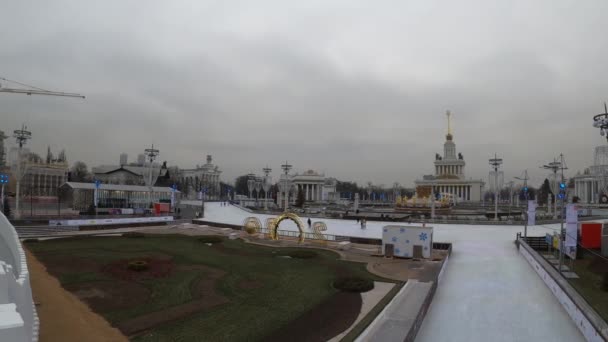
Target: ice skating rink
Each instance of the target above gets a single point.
(488, 291)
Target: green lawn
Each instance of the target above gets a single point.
(588, 286)
(290, 286)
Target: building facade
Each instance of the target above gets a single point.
(206, 177)
(81, 195)
(39, 178)
(449, 176)
(590, 186)
(315, 186)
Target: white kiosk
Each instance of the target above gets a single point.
(407, 241)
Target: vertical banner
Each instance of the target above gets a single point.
(173, 188)
(531, 213)
(571, 230)
(95, 198)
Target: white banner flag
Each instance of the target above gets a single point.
(531, 213)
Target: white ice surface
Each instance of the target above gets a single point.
(488, 292)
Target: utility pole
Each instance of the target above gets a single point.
(525, 179)
(495, 164)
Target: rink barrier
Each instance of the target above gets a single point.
(411, 331)
(587, 320)
(411, 336)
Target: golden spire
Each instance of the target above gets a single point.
(449, 115)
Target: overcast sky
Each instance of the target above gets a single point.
(355, 89)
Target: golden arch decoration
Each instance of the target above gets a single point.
(252, 223)
(318, 228)
(287, 216)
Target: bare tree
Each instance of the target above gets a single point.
(80, 172)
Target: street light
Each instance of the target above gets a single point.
(553, 167)
(495, 164)
(601, 121)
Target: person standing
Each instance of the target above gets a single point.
(309, 223)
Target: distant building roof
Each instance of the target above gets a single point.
(117, 187)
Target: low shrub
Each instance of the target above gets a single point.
(133, 235)
(301, 254)
(210, 239)
(138, 265)
(30, 240)
(353, 284)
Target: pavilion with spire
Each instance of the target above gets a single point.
(449, 176)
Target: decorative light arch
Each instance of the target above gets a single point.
(252, 222)
(286, 216)
(318, 228)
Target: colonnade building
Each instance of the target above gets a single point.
(315, 186)
(590, 186)
(449, 175)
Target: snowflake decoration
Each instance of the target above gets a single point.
(423, 236)
(394, 239)
(385, 230)
(406, 254)
(426, 248)
(407, 241)
(402, 230)
(397, 251)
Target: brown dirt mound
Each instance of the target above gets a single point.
(104, 296)
(203, 291)
(157, 268)
(323, 322)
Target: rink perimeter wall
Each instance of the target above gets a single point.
(18, 318)
(404, 315)
(593, 328)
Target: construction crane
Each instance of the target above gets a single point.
(31, 90)
(22, 135)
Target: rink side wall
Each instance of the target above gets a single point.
(591, 325)
(398, 309)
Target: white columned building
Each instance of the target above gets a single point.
(449, 176)
(315, 186)
(591, 185)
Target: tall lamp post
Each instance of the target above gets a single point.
(151, 154)
(22, 136)
(553, 167)
(525, 189)
(250, 184)
(285, 185)
(495, 164)
(601, 121)
(267, 183)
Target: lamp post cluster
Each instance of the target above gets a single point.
(260, 184)
(285, 186)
